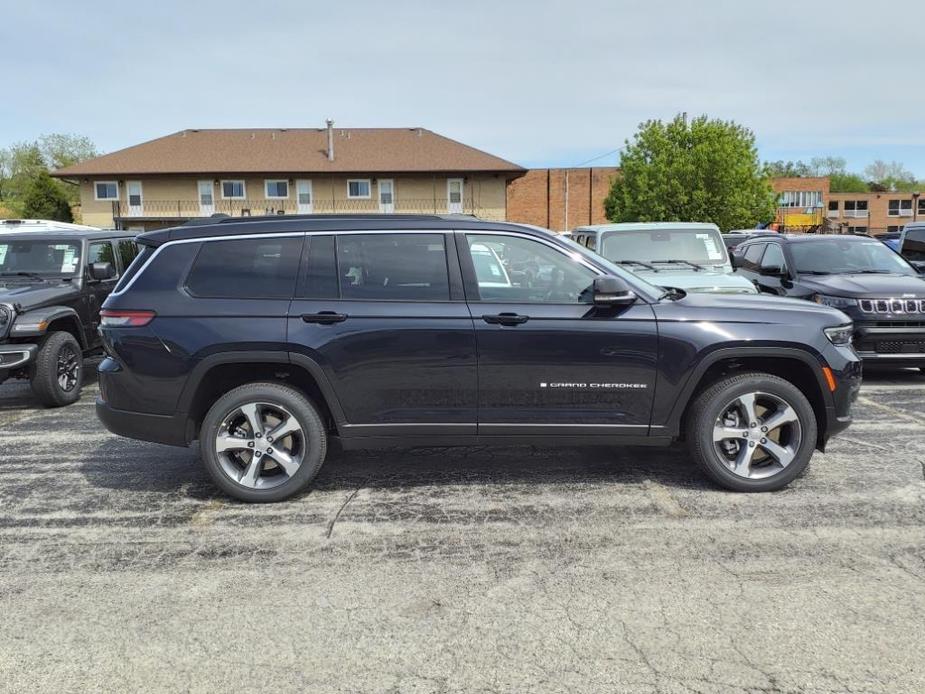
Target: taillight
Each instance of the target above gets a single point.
(125, 319)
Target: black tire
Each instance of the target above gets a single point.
(704, 415)
(51, 387)
(272, 398)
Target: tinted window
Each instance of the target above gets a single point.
(773, 258)
(136, 265)
(397, 267)
(320, 278)
(127, 252)
(515, 269)
(102, 253)
(259, 268)
(914, 244)
(752, 254)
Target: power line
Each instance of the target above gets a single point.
(599, 156)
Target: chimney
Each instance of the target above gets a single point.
(330, 125)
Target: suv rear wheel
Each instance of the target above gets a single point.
(263, 442)
(753, 432)
(58, 370)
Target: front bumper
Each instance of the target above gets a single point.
(14, 356)
(897, 344)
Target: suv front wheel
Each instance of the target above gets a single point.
(752, 432)
(263, 442)
(58, 370)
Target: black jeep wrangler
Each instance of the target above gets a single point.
(53, 280)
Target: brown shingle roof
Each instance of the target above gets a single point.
(295, 150)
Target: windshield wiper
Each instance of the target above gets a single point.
(637, 262)
(681, 262)
(814, 272)
(33, 275)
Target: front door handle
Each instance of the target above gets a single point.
(505, 319)
(324, 317)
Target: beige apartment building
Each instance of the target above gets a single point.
(874, 213)
(243, 172)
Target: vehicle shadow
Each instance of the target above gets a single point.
(17, 394)
(139, 467)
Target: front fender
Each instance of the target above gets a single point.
(35, 322)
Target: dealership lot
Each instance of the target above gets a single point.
(512, 569)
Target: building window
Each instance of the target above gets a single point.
(358, 188)
(233, 190)
(106, 190)
(857, 230)
(801, 198)
(900, 208)
(833, 208)
(855, 208)
(276, 190)
(921, 206)
(894, 229)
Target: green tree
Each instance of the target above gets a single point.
(44, 199)
(63, 149)
(787, 169)
(703, 170)
(847, 183)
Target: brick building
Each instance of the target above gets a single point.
(560, 199)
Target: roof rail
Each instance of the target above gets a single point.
(226, 219)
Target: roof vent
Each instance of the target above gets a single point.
(330, 124)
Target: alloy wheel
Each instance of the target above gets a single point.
(68, 369)
(260, 445)
(757, 435)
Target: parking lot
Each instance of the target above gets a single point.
(473, 570)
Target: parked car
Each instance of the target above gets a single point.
(891, 240)
(53, 280)
(736, 236)
(273, 340)
(881, 292)
(688, 256)
(912, 245)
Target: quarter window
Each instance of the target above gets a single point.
(513, 269)
(233, 190)
(106, 190)
(259, 268)
(358, 188)
(276, 189)
(395, 267)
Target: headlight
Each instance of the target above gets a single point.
(840, 334)
(835, 301)
(6, 317)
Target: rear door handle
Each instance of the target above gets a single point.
(324, 317)
(505, 319)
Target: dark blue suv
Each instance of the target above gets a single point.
(272, 340)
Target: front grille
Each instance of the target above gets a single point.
(905, 346)
(892, 305)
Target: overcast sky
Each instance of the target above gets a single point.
(540, 82)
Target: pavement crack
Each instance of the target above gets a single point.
(356, 491)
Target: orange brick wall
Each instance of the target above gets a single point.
(539, 197)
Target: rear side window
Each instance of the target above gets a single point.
(127, 252)
(395, 267)
(137, 263)
(258, 268)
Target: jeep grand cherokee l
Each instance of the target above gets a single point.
(271, 340)
(879, 290)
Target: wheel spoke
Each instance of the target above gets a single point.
(779, 418)
(227, 442)
(743, 461)
(252, 473)
(782, 454)
(289, 426)
(747, 402)
(285, 461)
(252, 413)
(721, 433)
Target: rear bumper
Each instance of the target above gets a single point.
(167, 429)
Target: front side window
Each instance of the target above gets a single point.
(392, 267)
(773, 259)
(45, 258)
(847, 255)
(101, 253)
(914, 244)
(358, 188)
(233, 190)
(513, 269)
(752, 255)
(106, 190)
(257, 268)
(276, 189)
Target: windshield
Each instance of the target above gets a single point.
(34, 257)
(698, 246)
(841, 256)
(615, 270)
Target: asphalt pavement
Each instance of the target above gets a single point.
(461, 570)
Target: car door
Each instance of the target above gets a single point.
(98, 290)
(383, 315)
(548, 360)
(773, 275)
(748, 258)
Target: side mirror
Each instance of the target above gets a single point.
(102, 271)
(732, 260)
(612, 291)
